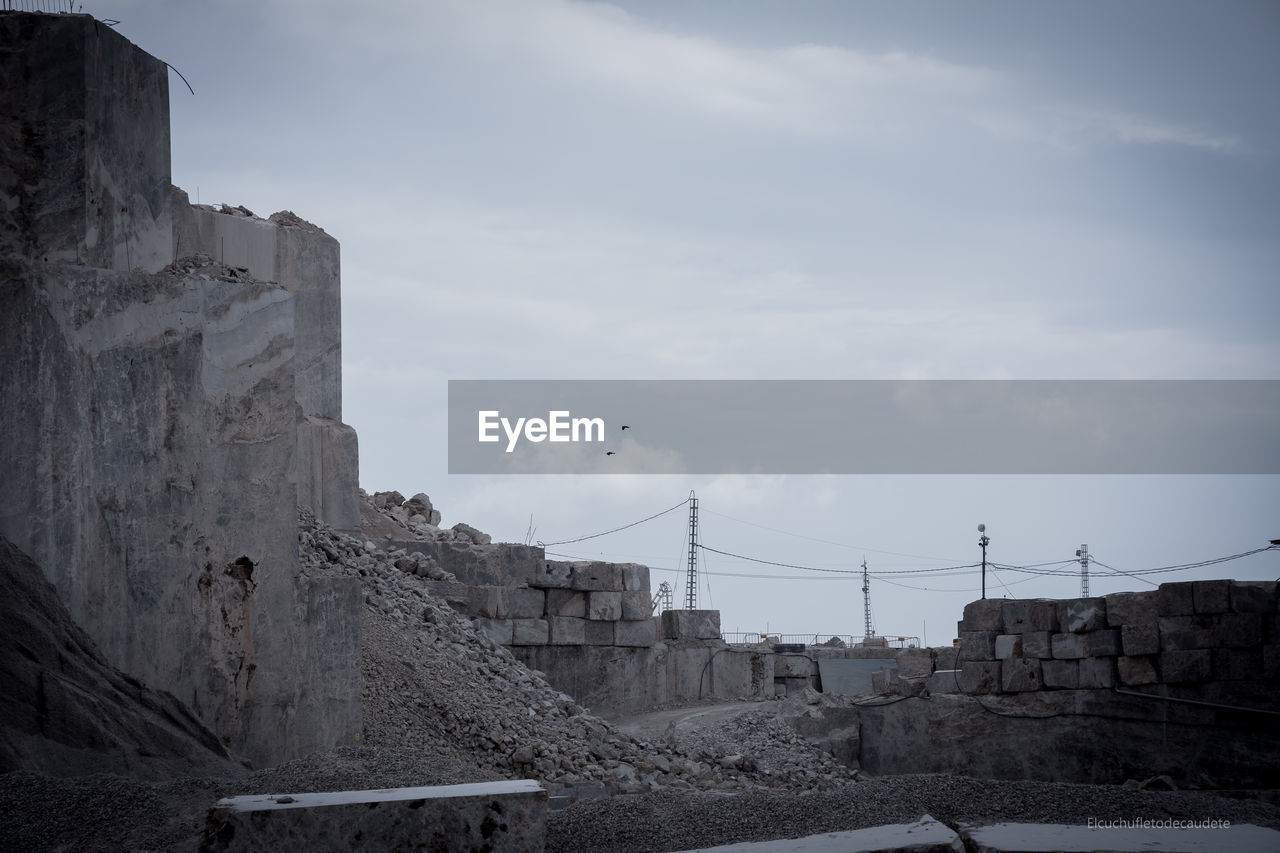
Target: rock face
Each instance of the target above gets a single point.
(65, 711)
(163, 419)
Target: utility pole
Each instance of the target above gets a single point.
(1083, 554)
(866, 601)
(691, 583)
(984, 541)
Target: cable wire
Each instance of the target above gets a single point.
(542, 544)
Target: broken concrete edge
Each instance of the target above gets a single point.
(925, 835)
(271, 802)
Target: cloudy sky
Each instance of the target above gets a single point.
(768, 190)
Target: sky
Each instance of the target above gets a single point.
(766, 190)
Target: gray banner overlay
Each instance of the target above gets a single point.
(864, 427)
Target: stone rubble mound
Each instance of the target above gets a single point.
(432, 677)
(417, 519)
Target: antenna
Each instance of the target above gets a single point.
(866, 600)
(662, 600)
(1083, 554)
(691, 583)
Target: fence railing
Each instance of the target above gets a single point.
(829, 640)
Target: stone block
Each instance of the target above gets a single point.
(500, 631)
(566, 602)
(1062, 674)
(604, 606)
(597, 633)
(1176, 599)
(602, 577)
(1271, 661)
(1078, 615)
(1137, 670)
(1104, 643)
(1097, 673)
(1253, 596)
(978, 645)
(552, 575)
(1180, 665)
(490, 602)
(1128, 608)
(1238, 630)
(641, 633)
(1068, 646)
(1211, 596)
(1140, 638)
(792, 666)
(457, 595)
(943, 681)
(505, 815)
(1180, 633)
(636, 605)
(1026, 615)
(1019, 675)
(635, 577)
(567, 631)
(1037, 644)
(1008, 646)
(980, 676)
(983, 615)
(1237, 664)
(528, 603)
(691, 624)
(530, 632)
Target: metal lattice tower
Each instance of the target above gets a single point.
(662, 599)
(866, 600)
(691, 582)
(1083, 554)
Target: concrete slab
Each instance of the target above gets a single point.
(1158, 837)
(851, 677)
(505, 815)
(924, 836)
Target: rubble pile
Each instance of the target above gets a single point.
(431, 677)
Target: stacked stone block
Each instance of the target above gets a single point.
(570, 604)
(1180, 633)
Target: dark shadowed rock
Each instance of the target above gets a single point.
(65, 711)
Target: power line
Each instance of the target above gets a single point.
(542, 544)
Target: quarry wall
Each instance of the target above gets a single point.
(164, 419)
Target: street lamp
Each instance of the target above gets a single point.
(984, 540)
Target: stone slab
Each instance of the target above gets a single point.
(851, 677)
(1176, 599)
(980, 676)
(567, 631)
(985, 614)
(552, 575)
(635, 578)
(604, 606)
(596, 633)
(1064, 674)
(527, 603)
(1253, 596)
(530, 632)
(1021, 616)
(507, 815)
(925, 835)
(638, 633)
(944, 681)
(605, 577)
(691, 624)
(1140, 638)
(1157, 838)
(1018, 675)
(792, 666)
(566, 602)
(1077, 615)
(1127, 608)
(978, 645)
(636, 604)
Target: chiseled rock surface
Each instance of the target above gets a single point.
(147, 473)
(65, 711)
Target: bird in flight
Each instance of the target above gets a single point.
(626, 426)
(610, 452)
